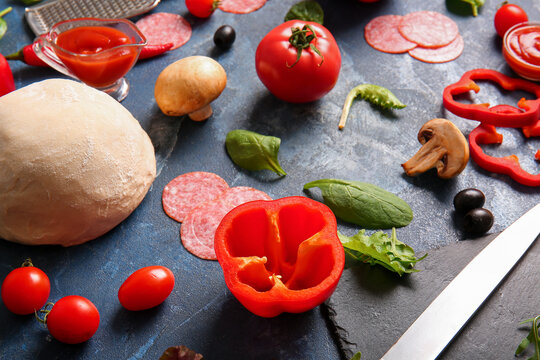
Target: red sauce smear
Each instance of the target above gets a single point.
(95, 54)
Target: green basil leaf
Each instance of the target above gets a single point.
(306, 11)
(30, 2)
(381, 249)
(357, 356)
(363, 204)
(375, 94)
(464, 7)
(532, 337)
(253, 151)
(475, 4)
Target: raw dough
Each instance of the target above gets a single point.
(74, 163)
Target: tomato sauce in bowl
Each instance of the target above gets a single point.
(97, 55)
(521, 50)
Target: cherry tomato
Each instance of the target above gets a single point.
(25, 289)
(507, 16)
(307, 79)
(201, 8)
(73, 319)
(146, 288)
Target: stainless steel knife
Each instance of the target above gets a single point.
(427, 337)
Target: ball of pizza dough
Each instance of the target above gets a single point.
(74, 163)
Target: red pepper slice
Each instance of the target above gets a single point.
(280, 256)
(7, 84)
(509, 165)
(494, 115)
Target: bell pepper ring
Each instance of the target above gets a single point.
(280, 256)
(529, 109)
(509, 165)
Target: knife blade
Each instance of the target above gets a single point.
(435, 328)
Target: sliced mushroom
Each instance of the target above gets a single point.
(443, 147)
(188, 86)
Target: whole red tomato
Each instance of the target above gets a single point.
(73, 319)
(202, 8)
(146, 288)
(307, 78)
(507, 16)
(25, 289)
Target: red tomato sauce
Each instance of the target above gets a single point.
(521, 50)
(95, 54)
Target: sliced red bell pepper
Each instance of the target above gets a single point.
(509, 165)
(280, 256)
(493, 115)
(7, 84)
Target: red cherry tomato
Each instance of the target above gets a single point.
(73, 319)
(146, 288)
(201, 8)
(507, 16)
(307, 79)
(25, 289)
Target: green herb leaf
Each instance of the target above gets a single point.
(3, 24)
(375, 94)
(363, 204)
(253, 151)
(30, 2)
(532, 337)
(475, 4)
(306, 11)
(357, 356)
(381, 249)
(464, 7)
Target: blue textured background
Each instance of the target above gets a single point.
(201, 313)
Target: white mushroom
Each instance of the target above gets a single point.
(188, 86)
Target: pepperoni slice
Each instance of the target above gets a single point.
(241, 6)
(199, 226)
(439, 55)
(428, 29)
(162, 28)
(185, 192)
(382, 34)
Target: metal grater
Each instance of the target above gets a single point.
(42, 17)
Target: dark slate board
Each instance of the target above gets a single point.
(384, 305)
(201, 313)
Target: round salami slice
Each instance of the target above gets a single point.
(162, 28)
(428, 29)
(439, 55)
(382, 34)
(199, 226)
(241, 6)
(185, 192)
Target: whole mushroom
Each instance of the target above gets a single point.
(443, 147)
(188, 86)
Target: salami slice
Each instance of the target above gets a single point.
(185, 192)
(439, 55)
(162, 28)
(199, 226)
(241, 6)
(382, 34)
(428, 29)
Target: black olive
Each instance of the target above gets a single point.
(469, 199)
(478, 221)
(224, 37)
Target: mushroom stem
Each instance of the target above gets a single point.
(427, 157)
(202, 114)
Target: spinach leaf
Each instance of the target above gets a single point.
(3, 24)
(253, 151)
(363, 204)
(375, 94)
(307, 11)
(381, 249)
(532, 337)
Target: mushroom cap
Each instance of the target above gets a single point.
(443, 147)
(189, 84)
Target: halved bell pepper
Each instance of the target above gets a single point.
(509, 165)
(280, 256)
(493, 115)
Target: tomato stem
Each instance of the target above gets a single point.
(44, 311)
(27, 263)
(301, 40)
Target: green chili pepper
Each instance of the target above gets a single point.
(375, 94)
